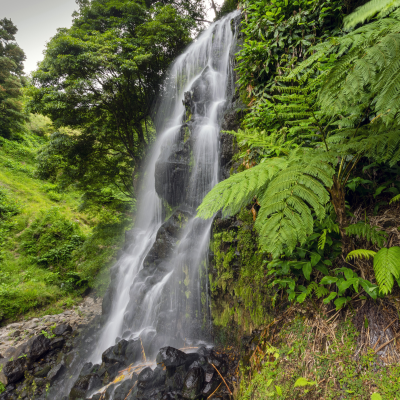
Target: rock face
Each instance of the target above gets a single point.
(177, 376)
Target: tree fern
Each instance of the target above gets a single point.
(371, 233)
(381, 8)
(387, 266)
(289, 191)
(238, 190)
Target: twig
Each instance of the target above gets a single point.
(214, 391)
(229, 390)
(130, 390)
(390, 324)
(385, 344)
(376, 343)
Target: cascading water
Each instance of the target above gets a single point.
(158, 292)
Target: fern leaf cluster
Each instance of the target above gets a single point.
(386, 265)
(371, 233)
(290, 191)
(378, 8)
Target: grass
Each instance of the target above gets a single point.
(310, 363)
(50, 251)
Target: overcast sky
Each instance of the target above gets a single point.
(37, 21)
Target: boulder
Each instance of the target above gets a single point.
(193, 383)
(125, 389)
(171, 357)
(115, 353)
(12, 370)
(59, 330)
(84, 385)
(145, 378)
(55, 372)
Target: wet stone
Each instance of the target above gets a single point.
(171, 357)
(193, 383)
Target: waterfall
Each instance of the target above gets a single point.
(159, 287)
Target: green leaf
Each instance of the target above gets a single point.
(360, 253)
(301, 297)
(301, 382)
(278, 390)
(376, 396)
(330, 297)
(341, 302)
(387, 268)
(327, 280)
(307, 268)
(315, 259)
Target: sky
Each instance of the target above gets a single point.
(37, 21)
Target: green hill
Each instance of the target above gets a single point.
(50, 250)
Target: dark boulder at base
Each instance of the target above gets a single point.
(171, 357)
(193, 383)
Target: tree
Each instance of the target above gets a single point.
(11, 80)
(103, 74)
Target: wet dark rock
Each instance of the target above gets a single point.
(125, 388)
(167, 237)
(171, 357)
(115, 353)
(172, 171)
(59, 330)
(175, 378)
(57, 343)
(40, 382)
(12, 371)
(190, 359)
(209, 388)
(42, 373)
(193, 383)
(145, 378)
(84, 386)
(200, 362)
(55, 372)
(108, 395)
(36, 347)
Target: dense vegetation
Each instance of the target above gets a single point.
(323, 114)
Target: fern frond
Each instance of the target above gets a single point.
(359, 253)
(371, 233)
(387, 266)
(285, 218)
(238, 190)
(369, 10)
(395, 198)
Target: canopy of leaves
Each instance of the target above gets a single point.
(11, 80)
(103, 74)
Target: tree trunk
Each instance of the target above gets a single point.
(337, 192)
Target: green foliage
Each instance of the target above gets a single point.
(11, 80)
(289, 190)
(365, 230)
(101, 77)
(50, 254)
(378, 8)
(51, 239)
(386, 265)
